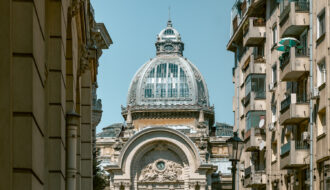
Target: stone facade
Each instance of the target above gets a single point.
(168, 140)
(273, 93)
(48, 68)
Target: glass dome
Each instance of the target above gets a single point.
(169, 78)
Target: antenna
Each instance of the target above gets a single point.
(169, 12)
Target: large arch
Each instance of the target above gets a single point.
(154, 134)
(145, 141)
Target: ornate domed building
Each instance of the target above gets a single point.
(168, 140)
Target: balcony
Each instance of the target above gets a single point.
(294, 154)
(254, 31)
(254, 101)
(294, 18)
(254, 179)
(294, 110)
(294, 64)
(253, 138)
(254, 64)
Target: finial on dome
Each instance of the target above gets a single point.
(169, 22)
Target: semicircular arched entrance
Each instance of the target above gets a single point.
(158, 158)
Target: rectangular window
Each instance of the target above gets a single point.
(321, 73)
(253, 118)
(274, 152)
(274, 73)
(321, 24)
(273, 108)
(256, 84)
(274, 32)
(304, 45)
(321, 123)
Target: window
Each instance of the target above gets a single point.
(274, 152)
(273, 108)
(274, 74)
(321, 123)
(165, 81)
(253, 118)
(321, 24)
(169, 32)
(321, 73)
(304, 44)
(256, 84)
(274, 32)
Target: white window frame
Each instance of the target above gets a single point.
(274, 35)
(321, 73)
(322, 13)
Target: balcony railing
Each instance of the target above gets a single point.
(260, 95)
(301, 145)
(302, 6)
(286, 148)
(285, 104)
(284, 60)
(302, 52)
(257, 22)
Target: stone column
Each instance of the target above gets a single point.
(71, 165)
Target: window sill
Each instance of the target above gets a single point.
(321, 136)
(320, 39)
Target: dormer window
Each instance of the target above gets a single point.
(169, 32)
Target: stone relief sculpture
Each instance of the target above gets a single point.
(161, 171)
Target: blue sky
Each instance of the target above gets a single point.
(133, 25)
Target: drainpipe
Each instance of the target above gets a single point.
(71, 139)
(237, 111)
(311, 176)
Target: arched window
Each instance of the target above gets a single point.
(166, 80)
(168, 32)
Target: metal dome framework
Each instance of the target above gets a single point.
(169, 78)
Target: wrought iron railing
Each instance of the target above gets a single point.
(300, 145)
(247, 171)
(302, 52)
(285, 104)
(286, 148)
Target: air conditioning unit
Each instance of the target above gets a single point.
(271, 87)
(305, 136)
(315, 93)
(271, 126)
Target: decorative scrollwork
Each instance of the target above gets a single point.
(161, 171)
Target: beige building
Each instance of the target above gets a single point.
(273, 93)
(48, 66)
(168, 140)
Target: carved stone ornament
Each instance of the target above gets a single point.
(161, 171)
(202, 144)
(118, 145)
(84, 63)
(75, 6)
